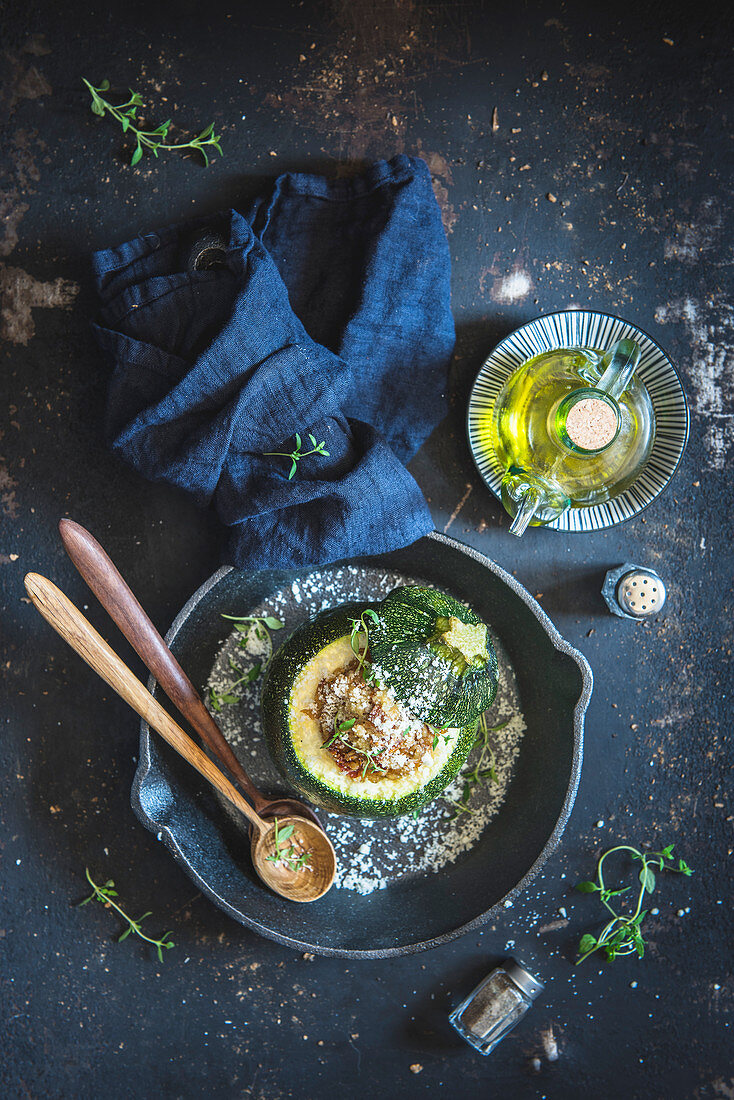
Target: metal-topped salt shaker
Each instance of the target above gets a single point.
(495, 1006)
(634, 591)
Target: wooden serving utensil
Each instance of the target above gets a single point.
(118, 599)
(315, 876)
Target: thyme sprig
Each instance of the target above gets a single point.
(262, 625)
(105, 894)
(155, 139)
(296, 455)
(359, 641)
(287, 855)
(622, 935)
(370, 763)
(437, 734)
(484, 770)
(341, 729)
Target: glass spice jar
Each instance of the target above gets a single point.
(495, 1006)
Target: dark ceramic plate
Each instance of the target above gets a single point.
(419, 910)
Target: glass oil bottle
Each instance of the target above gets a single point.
(572, 427)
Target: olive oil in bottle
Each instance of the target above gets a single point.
(572, 427)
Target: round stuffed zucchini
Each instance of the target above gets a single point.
(319, 675)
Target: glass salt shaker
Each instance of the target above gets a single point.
(495, 1006)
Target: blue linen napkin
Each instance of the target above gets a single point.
(329, 315)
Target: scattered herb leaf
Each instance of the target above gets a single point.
(622, 935)
(261, 625)
(296, 455)
(267, 620)
(484, 770)
(105, 894)
(125, 114)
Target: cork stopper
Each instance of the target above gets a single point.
(591, 424)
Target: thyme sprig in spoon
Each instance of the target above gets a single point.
(287, 853)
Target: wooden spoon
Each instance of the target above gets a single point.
(117, 598)
(307, 884)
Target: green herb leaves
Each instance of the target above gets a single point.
(286, 853)
(105, 894)
(370, 763)
(261, 625)
(359, 640)
(484, 770)
(587, 944)
(299, 453)
(269, 622)
(622, 935)
(341, 729)
(126, 115)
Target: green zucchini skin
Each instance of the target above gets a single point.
(303, 644)
(432, 679)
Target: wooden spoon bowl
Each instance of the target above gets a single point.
(307, 883)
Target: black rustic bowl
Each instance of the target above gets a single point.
(418, 911)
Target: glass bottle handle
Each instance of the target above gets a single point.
(618, 366)
(527, 508)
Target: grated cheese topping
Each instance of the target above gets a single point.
(327, 690)
(384, 737)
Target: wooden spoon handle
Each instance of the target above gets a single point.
(117, 598)
(69, 622)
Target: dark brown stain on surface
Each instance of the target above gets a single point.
(12, 210)
(21, 155)
(441, 179)
(20, 176)
(8, 485)
(360, 85)
(20, 294)
(357, 84)
(21, 81)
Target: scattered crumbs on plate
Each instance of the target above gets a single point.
(370, 854)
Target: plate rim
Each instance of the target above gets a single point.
(168, 838)
(638, 509)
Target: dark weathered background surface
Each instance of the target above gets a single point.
(621, 113)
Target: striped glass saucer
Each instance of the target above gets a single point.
(587, 328)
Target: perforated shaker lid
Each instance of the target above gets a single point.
(640, 593)
(530, 986)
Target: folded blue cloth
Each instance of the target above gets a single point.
(328, 316)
